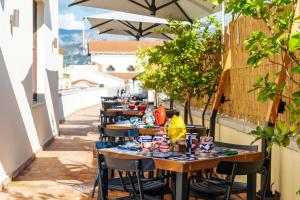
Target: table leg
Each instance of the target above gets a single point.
(103, 185)
(251, 186)
(182, 186)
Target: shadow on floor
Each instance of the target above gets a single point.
(52, 169)
(72, 144)
(41, 195)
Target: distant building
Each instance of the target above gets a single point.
(117, 56)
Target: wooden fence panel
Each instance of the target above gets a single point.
(243, 104)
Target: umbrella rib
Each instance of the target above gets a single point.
(130, 33)
(148, 33)
(101, 24)
(139, 4)
(129, 25)
(78, 2)
(180, 8)
(105, 31)
(150, 27)
(166, 36)
(148, 4)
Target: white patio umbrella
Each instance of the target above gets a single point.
(121, 23)
(183, 10)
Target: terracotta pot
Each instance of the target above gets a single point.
(160, 115)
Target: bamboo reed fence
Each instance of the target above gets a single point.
(243, 104)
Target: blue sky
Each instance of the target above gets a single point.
(71, 17)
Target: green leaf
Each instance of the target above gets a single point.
(296, 94)
(296, 101)
(269, 148)
(269, 131)
(281, 126)
(298, 192)
(298, 141)
(294, 42)
(296, 70)
(286, 141)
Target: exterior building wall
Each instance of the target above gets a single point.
(88, 97)
(26, 126)
(119, 61)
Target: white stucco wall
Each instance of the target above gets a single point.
(90, 73)
(88, 97)
(26, 127)
(119, 61)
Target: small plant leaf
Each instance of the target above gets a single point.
(269, 131)
(296, 70)
(286, 141)
(294, 42)
(298, 141)
(296, 94)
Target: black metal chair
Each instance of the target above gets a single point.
(238, 187)
(108, 117)
(135, 183)
(209, 172)
(109, 98)
(103, 145)
(212, 189)
(107, 134)
(111, 104)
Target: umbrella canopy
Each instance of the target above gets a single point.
(121, 23)
(183, 10)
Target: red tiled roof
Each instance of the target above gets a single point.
(124, 75)
(119, 46)
(61, 51)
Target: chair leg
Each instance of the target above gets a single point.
(95, 184)
(265, 184)
(172, 195)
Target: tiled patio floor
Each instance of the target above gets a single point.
(66, 169)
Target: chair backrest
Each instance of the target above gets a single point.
(105, 144)
(110, 104)
(115, 132)
(240, 168)
(237, 146)
(129, 165)
(109, 98)
(106, 113)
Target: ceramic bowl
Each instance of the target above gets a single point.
(142, 107)
(131, 106)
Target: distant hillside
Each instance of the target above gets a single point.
(71, 42)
